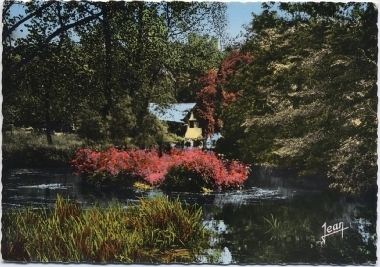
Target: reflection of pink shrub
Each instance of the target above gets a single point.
(147, 165)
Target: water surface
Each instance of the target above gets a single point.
(271, 220)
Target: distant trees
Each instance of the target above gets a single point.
(309, 97)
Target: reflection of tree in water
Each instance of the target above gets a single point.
(288, 232)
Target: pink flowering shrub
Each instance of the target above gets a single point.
(181, 169)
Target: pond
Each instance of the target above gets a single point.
(273, 219)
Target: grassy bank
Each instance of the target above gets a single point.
(32, 150)
(154, 231)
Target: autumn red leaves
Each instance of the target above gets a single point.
(126, 166)
(213, 96)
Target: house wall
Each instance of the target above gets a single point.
(193, 131)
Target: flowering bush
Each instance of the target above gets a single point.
(181, 169)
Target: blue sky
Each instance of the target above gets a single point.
(240, 13)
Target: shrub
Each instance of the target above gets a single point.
(154, 231)
(92, 127)
(179, 178)
(173, 170)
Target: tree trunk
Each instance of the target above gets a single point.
(107, 88)
(47, 116)
(141, 101)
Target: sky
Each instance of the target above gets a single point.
(240, 13)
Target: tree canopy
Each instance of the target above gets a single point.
(106, 60)
(309, 97)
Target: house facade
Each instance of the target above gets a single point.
(193, 130)
(182, 113)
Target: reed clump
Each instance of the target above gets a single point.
(156, 230)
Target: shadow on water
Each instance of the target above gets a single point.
(274, 219)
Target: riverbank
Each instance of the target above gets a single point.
(25, 150)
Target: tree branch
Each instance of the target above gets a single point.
(367, 58)
(7, 7)
(8, 31)
(7, 73)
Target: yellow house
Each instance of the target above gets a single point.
(179, 114)
(193, 131)
(182, 114)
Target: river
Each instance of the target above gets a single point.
(274, 219)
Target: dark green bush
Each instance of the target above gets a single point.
(180, 179)
(92, 128)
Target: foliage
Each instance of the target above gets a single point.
(193, 59)
(212, 94)
(203, 169)
(92, 127)
(142, 186)
(350, 164)
(153, 132)
(180, 178)
(121, 129)
(122, 121)
(155, 230)
(309, 95)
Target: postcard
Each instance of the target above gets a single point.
(139, 132)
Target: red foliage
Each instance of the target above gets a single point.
(229, 97)
(231, 64)
(147, 165)
(207, 97)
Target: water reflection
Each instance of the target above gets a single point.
(288, 232)
(267, 224)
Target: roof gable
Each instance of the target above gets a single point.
(174, 112)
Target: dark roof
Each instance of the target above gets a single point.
(174, 112)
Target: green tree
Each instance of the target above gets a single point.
(309, 97)
(122, 122)
(47, 90)
(46, 23)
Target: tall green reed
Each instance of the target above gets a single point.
(155, 230)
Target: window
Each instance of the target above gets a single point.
(191, 124)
